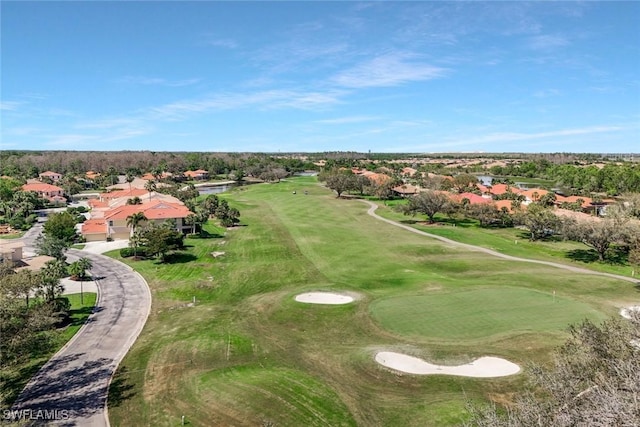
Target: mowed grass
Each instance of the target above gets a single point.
(248, 354)
(479, 313)
(510, 241)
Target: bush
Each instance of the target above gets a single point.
(60, 310)
(126, 252)
(129, 252)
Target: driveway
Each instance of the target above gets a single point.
(75, 381)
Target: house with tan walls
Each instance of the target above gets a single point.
(109, 215)
(52, 193)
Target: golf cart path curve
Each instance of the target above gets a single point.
(372, 211)
(75, 381)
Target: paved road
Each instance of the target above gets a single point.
(76, 380)
(372, 212)
(29, 239)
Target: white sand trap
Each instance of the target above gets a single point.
(324, 298)
(626, 312)
(484, 367)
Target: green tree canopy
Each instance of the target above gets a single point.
(61, 226)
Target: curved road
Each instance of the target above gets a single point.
(75, 382)
(372, 212)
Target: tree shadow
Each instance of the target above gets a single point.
(615, 256)
(67, 384)
(120, 388)
(457, 222)
(205, 235)
(12, 383)
(582, 255)
(178, 258)
(408, 221)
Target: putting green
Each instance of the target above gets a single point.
(479, 313)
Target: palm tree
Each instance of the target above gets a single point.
(50, 275)
(79, 270)
(150, 186)
(130, 179)
(134, 220)
(134, 201)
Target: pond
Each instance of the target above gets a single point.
(217, 188)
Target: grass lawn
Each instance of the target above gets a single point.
(13, 380)
(248, 354)
(504, 240)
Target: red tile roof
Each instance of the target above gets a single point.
(504, 203)
(499, 189)
(123, 193)
(94, 226)
(153, 210)
(41, 187)
(473, 198)
(529, 194)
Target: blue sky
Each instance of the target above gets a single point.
(321, 76)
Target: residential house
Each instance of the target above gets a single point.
(12, 251)
(197, 175)
(406, 190)
(152, 177)
(500, 189)
(376, 178)
(533, 194)
(53, 176)
(91, 175)
(471, 197)
(110, 222)
(52, 193)
(409, 172)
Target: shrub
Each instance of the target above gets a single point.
(126, 252)
(129, 252)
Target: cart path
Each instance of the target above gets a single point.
(372, 211)
(74, 383)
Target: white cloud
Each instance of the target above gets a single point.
(70, 140)
(387, 70)
(499, 137)
(264, 99)
(547, 42)
(226, 43)
(10, 105)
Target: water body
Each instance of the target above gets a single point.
(215, 188)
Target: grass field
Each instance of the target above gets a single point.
(248, 354)
(504, 240)
(13, 380)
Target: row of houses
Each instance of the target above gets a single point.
(489, 194)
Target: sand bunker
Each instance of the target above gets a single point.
(324, 298)
(626, 312)
(484, 367)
